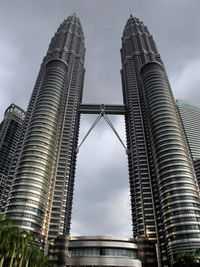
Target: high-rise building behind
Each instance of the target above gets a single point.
(41, 194)
(190, 117)
(10, 129)
(164, 193)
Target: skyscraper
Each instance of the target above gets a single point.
(190, 117)
(164, 193)
(41, 195)
(10, 129)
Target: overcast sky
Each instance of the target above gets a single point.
(101, 197)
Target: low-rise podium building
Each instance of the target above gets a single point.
(90, 251)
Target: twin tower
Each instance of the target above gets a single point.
(165, 200)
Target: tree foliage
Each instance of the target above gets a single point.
(17, 247)
(186, 260)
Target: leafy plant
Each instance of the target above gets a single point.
(186, 260)
(17, 247)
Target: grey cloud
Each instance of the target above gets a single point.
(102, 179)
(187, 82)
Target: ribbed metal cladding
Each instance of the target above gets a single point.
(36, 167)
(138, 47)
(163, 185)
(177, 184)
(10, 129)
(190, 117)
(64, 184)
(43, 177)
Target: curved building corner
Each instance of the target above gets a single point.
(90, 251)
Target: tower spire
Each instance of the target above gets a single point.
(75, 13)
